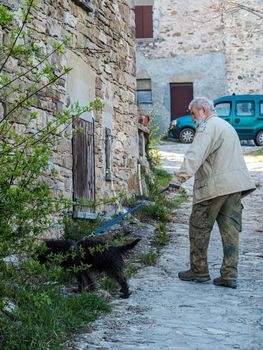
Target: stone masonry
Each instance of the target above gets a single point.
(102, 43)
(216, 45)
(102, 54)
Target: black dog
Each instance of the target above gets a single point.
(99, 255)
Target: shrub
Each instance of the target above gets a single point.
(76, 229)
(46, 319)
(32, 316)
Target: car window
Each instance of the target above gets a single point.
(245, 108)
(261, 108)
(223, 109)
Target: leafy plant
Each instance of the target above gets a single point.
(130, 271)
(130, 201)
(120, 239)
(161, 237)
(76, 229)
(149, 258)
(154, 138)
(176, 202)
(27, 143)
(159, 179)
(109, 285)
(158, 212)
(45, 319)
(27, 207)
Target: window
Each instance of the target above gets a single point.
(144, 21)
(261, 108)
(245, 108)
(223, 109)
(144, 91)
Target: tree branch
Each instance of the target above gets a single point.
(31, 95)
(18, 35)
(31, 69)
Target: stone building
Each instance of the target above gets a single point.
(104, 159)
(196, 48)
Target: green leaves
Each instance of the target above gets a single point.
(46, 318)
(6, 17)
(29, 136)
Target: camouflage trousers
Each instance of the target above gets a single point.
(226, 211)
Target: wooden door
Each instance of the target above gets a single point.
(83, 169)
(181, 96)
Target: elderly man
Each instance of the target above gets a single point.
(216, 161)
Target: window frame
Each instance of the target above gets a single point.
(247, 115)
(230, 108)
(149, 90)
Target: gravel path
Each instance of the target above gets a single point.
(164, 313)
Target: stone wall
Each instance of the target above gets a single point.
(102, 55)
(202, 42)
(103, 43)
(243, 37)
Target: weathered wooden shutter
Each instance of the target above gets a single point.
(144, 21)
(147, 21)
(83, 169)
(139, 21)
(108, 141)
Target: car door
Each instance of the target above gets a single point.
(224, 110)
(244, 118)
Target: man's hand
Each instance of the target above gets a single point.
(173, 186)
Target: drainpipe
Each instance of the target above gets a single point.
(139, 177)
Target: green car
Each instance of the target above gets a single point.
(243, 112)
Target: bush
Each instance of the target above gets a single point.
(32, 315)
(76, 229)
(46, 319)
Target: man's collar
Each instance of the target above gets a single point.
(211, 115)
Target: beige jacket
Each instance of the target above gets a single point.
(215, 159)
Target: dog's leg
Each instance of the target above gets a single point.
(81, 281)
(84, 281)
(118, 276)
(89, 280)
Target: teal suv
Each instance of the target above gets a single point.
(243, 112)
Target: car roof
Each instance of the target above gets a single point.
(239, 97)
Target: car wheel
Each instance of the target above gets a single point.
(186, 135)
(259, 138)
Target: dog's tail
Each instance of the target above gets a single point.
(128, 246)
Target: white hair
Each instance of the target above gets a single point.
(202, 103)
